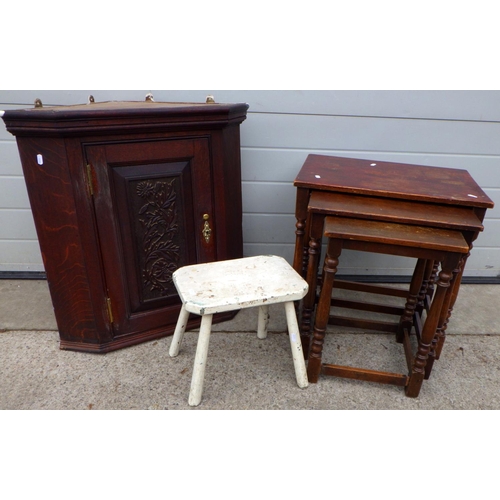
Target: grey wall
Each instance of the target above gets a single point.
(457, 129)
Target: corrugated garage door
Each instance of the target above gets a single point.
(457, 129)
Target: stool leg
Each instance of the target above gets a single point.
(263, 322)
(200, 361)
(296, 345)
(180, 328)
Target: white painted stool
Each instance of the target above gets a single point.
(206, 289)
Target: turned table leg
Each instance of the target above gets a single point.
(422, 303)
(457, 279)
(301, 214)
(406, 321)
(323, 309)
(309, 301)
(417, 374)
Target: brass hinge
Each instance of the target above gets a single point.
(110, 311)
(90, 180)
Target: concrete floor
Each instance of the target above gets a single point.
(243, 372)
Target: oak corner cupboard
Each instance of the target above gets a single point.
(123, 194)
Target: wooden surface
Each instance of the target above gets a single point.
(106, 117)
(119, 202)
(377, 189)
(392, 180)
(408, 212)
(395, 234)
(238, 283)
(373, 236)
(385, 208)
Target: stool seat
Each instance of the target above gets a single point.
(206, 289)
(238, 284)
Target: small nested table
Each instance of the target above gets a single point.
(419, 294)
(412, 195)
(423, 243)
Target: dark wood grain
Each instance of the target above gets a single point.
(395, 210)
(392, 180)
(122, 241)
(50, 191)
(423, 243)
(364, 374)
(390, 208)
(398, 234)
(122, 118)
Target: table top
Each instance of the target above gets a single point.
(396, 234)
(394, 210)
(391, 180)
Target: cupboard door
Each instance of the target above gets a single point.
(154, 212)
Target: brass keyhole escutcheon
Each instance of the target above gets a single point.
(207, 230)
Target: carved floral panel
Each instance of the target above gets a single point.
(157, 235)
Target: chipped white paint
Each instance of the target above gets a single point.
(236, 284)
(263, 322)
(206, 289)
(296, 345)
(200, 361)
(179, 332)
